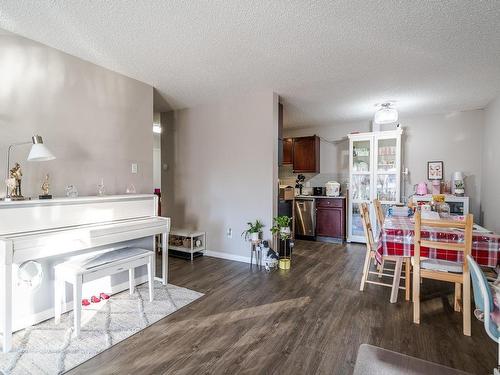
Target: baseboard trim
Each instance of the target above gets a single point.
(49, 313)
(219, 254)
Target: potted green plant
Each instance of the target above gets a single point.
(282, 226)
(253, 231)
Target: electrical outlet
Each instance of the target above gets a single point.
(229, 233)
(134, 168)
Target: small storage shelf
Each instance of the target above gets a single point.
(187, 241)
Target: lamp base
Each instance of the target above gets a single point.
(48, 196)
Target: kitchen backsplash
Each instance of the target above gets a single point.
(287, 177)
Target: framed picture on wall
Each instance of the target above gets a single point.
(435, 170)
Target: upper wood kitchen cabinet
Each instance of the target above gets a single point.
(287, 151)
(306, 154)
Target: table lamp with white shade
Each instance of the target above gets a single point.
(38, 152)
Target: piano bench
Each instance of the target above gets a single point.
(79, 271)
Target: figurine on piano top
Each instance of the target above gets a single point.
(45, 188)
(14, 183)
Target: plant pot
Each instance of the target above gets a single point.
(254, 237)
(284, 263)
(285, 231)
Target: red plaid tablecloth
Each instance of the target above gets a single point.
(396, 238)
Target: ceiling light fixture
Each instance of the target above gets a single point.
(386, 114)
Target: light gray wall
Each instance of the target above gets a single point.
(95, 121)
(454, 138)
(221, 168)
(490, 186)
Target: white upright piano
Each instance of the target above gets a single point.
(51, 231)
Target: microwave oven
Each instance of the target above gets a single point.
(458, 205)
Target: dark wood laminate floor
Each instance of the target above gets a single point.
(309, 320)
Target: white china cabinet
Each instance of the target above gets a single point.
(374, 172)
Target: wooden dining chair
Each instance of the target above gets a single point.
(370, 254)
(379, 214)
(443, 270)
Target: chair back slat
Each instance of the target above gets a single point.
(456, 224)
(442, 245)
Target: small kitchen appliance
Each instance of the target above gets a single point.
(421, 188)
(305, 217)
(332, 189)
(319, 191)
(436, 187)
(458, 184)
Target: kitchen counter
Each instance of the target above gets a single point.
(318, 196)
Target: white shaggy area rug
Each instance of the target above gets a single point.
(49, 348)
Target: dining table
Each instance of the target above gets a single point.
(397, 235)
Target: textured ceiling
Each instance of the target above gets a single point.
(330, 61)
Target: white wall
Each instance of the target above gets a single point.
(455, 139)
(222, 168)
(490, 186)
(95, 121)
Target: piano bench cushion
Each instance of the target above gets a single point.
(90, 264)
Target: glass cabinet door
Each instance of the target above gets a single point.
(387, 155)
(356, 224)
(361, 156)
(360, 186)
(386, 187)
(387, 162)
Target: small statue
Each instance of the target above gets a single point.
(45, 188)
(16, 174)
(101, 189)
(71, 191)
(11, 187)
